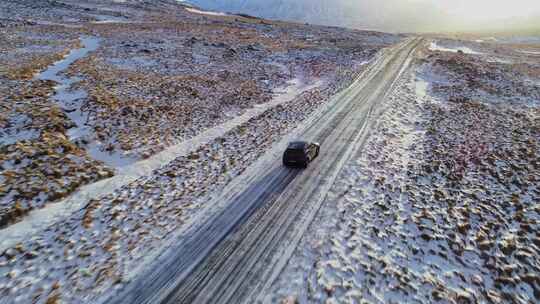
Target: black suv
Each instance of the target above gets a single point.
(300, 154)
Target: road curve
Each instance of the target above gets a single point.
(237, 253)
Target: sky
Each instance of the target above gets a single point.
(458, 15)
(482, 10)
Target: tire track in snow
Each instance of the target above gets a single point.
(223, 259)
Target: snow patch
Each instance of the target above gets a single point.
(487, 39)
(435, 47)
(196, 11)
(104, 19)
(6, 139)
(71, 102)
(52, 73)
(421, 88)
(530, 52)
(17, 131)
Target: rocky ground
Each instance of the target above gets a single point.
(442, 204)
(160, 75)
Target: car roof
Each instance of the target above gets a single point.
(297, 145)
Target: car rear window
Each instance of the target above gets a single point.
(295, 152)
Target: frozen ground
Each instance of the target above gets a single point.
(340, 257)
(501, 75)
(38, 162)
(435, 47)
(191, 78)
(139, 84)
(119, 230)
(42, 218)
(441, 205)
(197, 11)
(174, 104)
(530, 52)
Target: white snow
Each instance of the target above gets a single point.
(521, 39)
(20, 135)
(196, 11)
(530, 52)
(17, 131)
(435, 47)
(421, 88)
(103, 19)
(71, 102)
(106, 21)
(488, 39)
(52, 73)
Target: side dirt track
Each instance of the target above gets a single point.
(236, 252)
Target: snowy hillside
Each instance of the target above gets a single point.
(385, 15)
(305, 10)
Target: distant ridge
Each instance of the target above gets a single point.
(383, 15)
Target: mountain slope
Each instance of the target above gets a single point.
(386, 15)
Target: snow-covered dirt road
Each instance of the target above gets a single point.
(239, 251)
